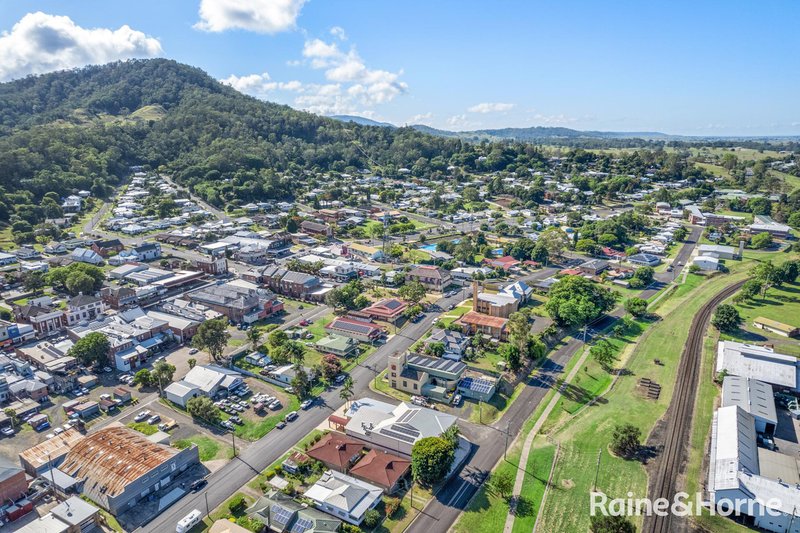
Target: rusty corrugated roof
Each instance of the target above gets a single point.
(55, 447)
(111, 458)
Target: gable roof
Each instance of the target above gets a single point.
(381, 468)
(336, 449)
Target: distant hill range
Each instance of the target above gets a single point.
(543, 133)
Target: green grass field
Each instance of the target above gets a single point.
(143, 427)
(208, 447)
(588, 434)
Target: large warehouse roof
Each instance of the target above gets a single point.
(111, 458)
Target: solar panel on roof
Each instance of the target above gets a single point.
(476, 384)
(393, 304)
(389, 432)
(282, 515)
(302, 525)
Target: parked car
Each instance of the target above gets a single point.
(192, 352)
(457, 400)
(275, 405)
(280, 425)
(198, 484)
(291, 416)
(155, 419)
(108, 369)
(306, 405)
(7, 431)
(142, 415)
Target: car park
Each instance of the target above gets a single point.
(142, 415)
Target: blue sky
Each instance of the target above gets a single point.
(696, 68)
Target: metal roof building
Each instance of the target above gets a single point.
(117, 466)
(753, 396)
(757, 362)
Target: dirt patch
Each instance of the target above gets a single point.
(567, 484)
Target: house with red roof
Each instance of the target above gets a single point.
(382, 469)
(362, 330)
(506, 262)
(337, 451)
(389, 309)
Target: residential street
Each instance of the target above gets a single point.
(260, 454)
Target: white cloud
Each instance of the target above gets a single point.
(40, 42)
(461, 122)
(263, 16)
(420, 118)
(349, 87)
(490, 107)
(260, 85)
(339, 33)
(370, 86)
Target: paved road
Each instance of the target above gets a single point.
(441, 512)
(260, 454)
(439, 515)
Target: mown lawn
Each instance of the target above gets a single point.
(589, 433)
(780, 304)
(208, 447)
(143, 427)
(253, 430)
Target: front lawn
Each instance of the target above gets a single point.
(208, 447)
(143, 427)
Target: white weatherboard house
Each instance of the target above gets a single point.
(757, 362)
(394, 427)
(343, 496)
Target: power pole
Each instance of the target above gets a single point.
(597, 470)
(505, 450)
(208, 511)
(233, 439)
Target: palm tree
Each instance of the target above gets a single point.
(347, 391)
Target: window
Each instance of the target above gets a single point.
(405, 383)
(415, 386)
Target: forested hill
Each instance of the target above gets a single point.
(82, 129)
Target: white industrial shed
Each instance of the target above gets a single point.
(753, 396)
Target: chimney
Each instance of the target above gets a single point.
(475, 295)
(741, 250)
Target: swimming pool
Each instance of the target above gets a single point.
(432, 247)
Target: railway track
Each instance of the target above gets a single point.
(680, 411)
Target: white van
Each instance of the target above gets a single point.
(189, 521)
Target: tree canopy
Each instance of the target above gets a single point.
(91, 349)
(576, 301)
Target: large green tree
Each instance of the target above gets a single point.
(576, 301)
(431, 458)
(92, 349)
(203, 408)
(212, 336)
(726, 318)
